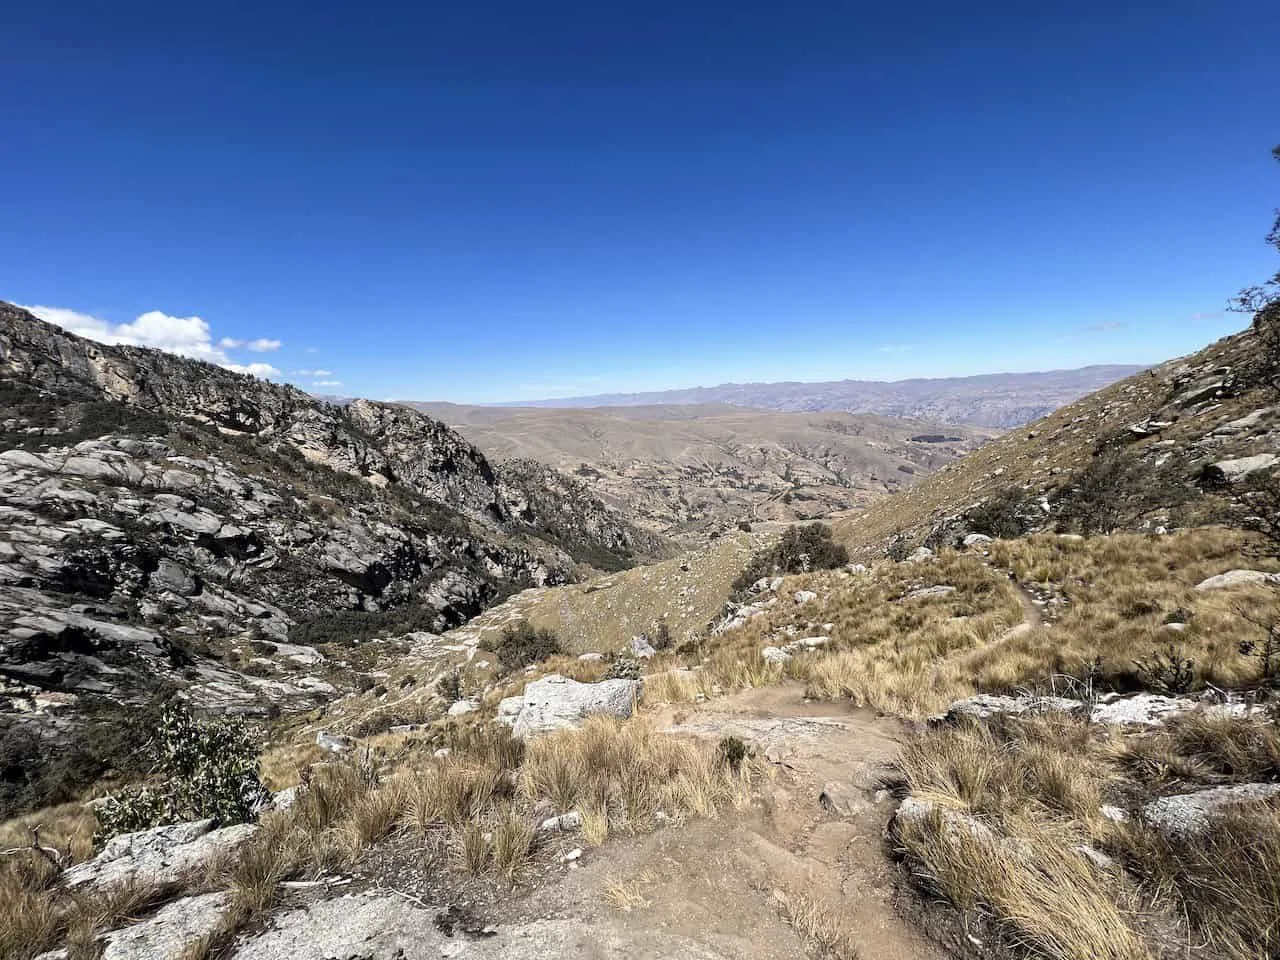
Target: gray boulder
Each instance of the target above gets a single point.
(166, 934)
(1143, 709)
(984, 705)
(558, 703)
(1188, 814)
(161, 855)
(381, 926)
(1237, 578)
(1226, 472)
(930, 593)
(333, 742)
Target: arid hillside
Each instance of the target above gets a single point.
(685, 471)
(1148, 452)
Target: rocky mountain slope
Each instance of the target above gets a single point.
(1152, 451)
(165, 523)
(998, 400)
(684, 471)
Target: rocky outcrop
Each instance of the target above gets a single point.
(165, 935)
(382, 926)
(1189, 814)
(1237, 578)
(160, 856)
(166, 523)
(558, 703)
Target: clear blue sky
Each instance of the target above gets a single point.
(504, 201)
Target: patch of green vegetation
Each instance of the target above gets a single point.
(802, 549)
(523, 644)
(205, 768)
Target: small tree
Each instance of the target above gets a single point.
(203, 769)
(1263, 301)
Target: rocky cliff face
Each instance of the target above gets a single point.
(165, 523)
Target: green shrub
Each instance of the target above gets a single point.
(731, 752)
(801, 550)
(999, 516)
(204, 769)
(524, 644)
(623, 668)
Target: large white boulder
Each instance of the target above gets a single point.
(168, 933)
(1233, 471)
(1237, 578)
(558, 703)
(160, 856)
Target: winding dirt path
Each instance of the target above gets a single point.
(813, 840)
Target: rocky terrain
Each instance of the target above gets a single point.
(685, 471)
(997, 401)
(167, 524)
(1033, 715)
(1164, 448)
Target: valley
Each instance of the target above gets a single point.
(687, 471)
(498, 682)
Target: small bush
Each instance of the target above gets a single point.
(205, 769)
(731, 752)
(623, 668)
(802, 549)
(524, 644)
(1167, 671)
(449, 686)
(999, 516)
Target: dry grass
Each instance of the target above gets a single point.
(1035, 788)
(818, 924)
(1118, 593)
(1226, 879)
(1041, 893)
(629, 772)
(625, 895)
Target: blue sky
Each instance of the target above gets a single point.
(492, 202)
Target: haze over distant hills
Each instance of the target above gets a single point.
(1001, 400)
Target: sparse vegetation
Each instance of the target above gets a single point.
(803, 548)
(523, 644)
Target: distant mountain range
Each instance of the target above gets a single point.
(1000, 400)
(687, 471)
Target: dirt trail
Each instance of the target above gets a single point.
(815, 837)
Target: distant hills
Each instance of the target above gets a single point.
(998, 400)
(687, 471)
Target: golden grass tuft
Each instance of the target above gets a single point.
(817, 923)
(629, 772)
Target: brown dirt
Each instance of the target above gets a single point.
(717, 882)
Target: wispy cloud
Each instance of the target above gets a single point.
(312, 373)
(1107, 326)
(185, 336)
(260, 345)
(326, 383)
(894, 348)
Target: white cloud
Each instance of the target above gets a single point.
(313, 373)
(185, 336)
(263, 370)
(263, 345)
(327, 383)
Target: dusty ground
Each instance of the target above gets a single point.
(809, 849)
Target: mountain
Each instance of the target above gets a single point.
(1141, 454)
(685, 471)
(166, 524)
(997, 400)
